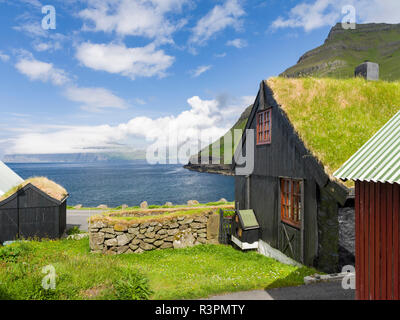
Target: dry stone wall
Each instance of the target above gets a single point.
(110, 236)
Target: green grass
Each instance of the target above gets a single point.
(172, 274)
(336, 117)
(161, 216)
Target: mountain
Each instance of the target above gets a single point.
(76, 157)
(343, 50)
(219, 168)
(337, 58)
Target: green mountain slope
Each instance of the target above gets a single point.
(343, 50)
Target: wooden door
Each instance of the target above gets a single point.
(291, 218)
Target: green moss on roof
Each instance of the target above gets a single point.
(335, 117)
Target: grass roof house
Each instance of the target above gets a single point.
(304, 130)
(35, 208)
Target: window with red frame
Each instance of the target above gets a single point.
(264, 127)
(291, 202)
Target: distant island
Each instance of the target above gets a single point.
(139, 155)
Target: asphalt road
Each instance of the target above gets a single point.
(79, 218)
(319, 291)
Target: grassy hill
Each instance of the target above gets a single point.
(343, 50)
(220, 144)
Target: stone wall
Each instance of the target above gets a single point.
(112, 236)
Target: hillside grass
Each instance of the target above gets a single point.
(336, 117)
(190, 273)
(348, 50)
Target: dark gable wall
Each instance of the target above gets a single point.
(286, 156)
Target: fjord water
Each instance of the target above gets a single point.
(117, 183)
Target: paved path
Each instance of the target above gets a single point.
(319, 291)
(79, 218)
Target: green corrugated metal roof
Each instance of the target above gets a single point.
(379, 159)
(248, 218)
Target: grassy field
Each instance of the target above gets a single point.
(172, 274)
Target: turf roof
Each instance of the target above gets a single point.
(335, 117)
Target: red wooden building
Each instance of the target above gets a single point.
(375, 168)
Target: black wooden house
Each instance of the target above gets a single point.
(295, 201)
(33, 212)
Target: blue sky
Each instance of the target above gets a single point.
(119, 72)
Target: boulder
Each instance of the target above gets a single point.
(168, 204)
(102, 206)
(124, 239)
(107, 230)
(183, 239)
(192, 202)
(144, 205)
(166, 245)
(122, 249)
(120, 227)
(96, 241)
(133, 247)
(78, 206)
(124, 206)
(223, 200)
(146, 246)
(158, 243)
(111, 242)
(97, 224)
(201, 219)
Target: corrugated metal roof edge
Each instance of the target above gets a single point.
(346, 172)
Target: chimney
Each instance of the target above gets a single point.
(368, 70)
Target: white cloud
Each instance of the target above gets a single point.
(131, 62)
(220, 55)
(32, 29)
(147, 18)
(43, 71)
(218, 19)
(237, 43)
(94, 99)
(47, 46)
(91, 99)
(208, 119)
(199, 70)
(4, 57)
(320, 13)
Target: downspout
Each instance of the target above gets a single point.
(248, 192)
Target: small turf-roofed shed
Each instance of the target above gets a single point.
(375, 168)
(35, 208)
